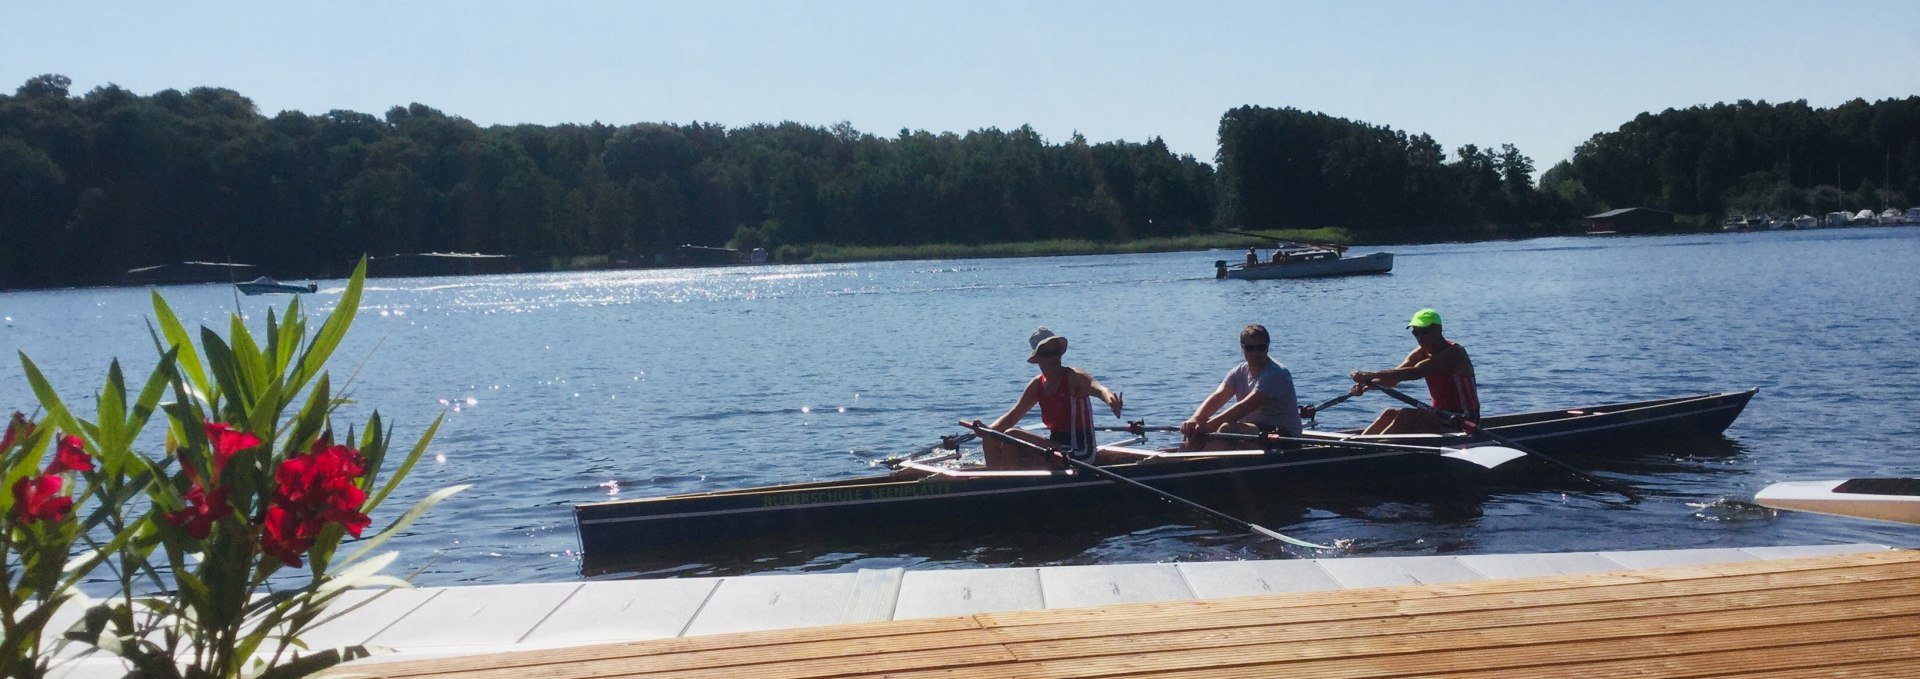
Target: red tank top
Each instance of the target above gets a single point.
(1454, 391)
(1061, 411)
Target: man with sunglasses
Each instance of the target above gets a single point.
(1449, 375)
(1065, 398)
(1263, 393)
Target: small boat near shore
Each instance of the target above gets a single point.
(1894, 499)
(268, 286)
(1306, 262)
(1229, 480)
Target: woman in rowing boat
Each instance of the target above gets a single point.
(1065, 398)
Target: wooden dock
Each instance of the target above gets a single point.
(1852, 614)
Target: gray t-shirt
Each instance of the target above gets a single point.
(1281, 411)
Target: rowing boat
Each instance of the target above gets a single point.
(1894, 499)
(1242, 478)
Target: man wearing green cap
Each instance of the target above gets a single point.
(1449, 375)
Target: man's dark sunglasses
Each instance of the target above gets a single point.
(1254, 347)
(1050, 353)
(1423, 331)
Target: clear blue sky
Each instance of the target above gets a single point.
(1542, 75)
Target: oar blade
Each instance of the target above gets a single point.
(1486, 456)
(1263, 530)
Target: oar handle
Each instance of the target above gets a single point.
(947, 442)
(1311, 411)
(1472, 427)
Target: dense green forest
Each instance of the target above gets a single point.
(97, 183)
(1287, 168)
(1751, 157)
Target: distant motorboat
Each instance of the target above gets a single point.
(1890, 216)
(1309, 262)
(1913, 215)
(1805, 222)
(1861, 217)
(1837, 218)
(268, 286)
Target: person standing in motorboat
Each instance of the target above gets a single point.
(1065, 398)
(1263, 395)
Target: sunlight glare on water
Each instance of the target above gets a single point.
(567, 388)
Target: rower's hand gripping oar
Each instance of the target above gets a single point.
(989, 432)
(1138, 428)
(1471, 427)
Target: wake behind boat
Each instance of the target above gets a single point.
(1231, 480)
(267, 286)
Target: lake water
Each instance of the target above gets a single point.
(569, 388)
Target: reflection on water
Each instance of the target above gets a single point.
(579, 387)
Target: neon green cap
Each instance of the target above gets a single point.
(1424, 318)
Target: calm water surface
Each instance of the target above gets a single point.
(569, 388)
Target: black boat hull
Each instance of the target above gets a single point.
(1233, 484)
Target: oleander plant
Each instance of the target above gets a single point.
(225, 543)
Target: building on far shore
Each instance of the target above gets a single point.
(1629, 220)
(188, 272)
(441, 264)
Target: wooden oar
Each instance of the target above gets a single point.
(1471, 427)
(946, 442)
(1337, 400)
(1485, 456)
(1004, 437)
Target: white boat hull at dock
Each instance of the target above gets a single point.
(1882, 499)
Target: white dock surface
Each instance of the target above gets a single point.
(446, 621)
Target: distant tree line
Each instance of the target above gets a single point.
(1751, 157)
(94, 184)
(1286, 168)
(99, 183)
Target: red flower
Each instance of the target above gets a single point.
(226, 443)
(311, 491)
(70, 455)
(16, 429)
(203, 508)
(37, 498)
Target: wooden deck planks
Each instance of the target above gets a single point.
(1855, 614)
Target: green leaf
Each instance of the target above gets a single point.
(352, 575)
(57, 415)
(413, 456)
(150, 394)
(112, 408)
(314, 663)
(177, 337)
(247, 357)
(407, 519)
(226, 373)
(331, 331)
